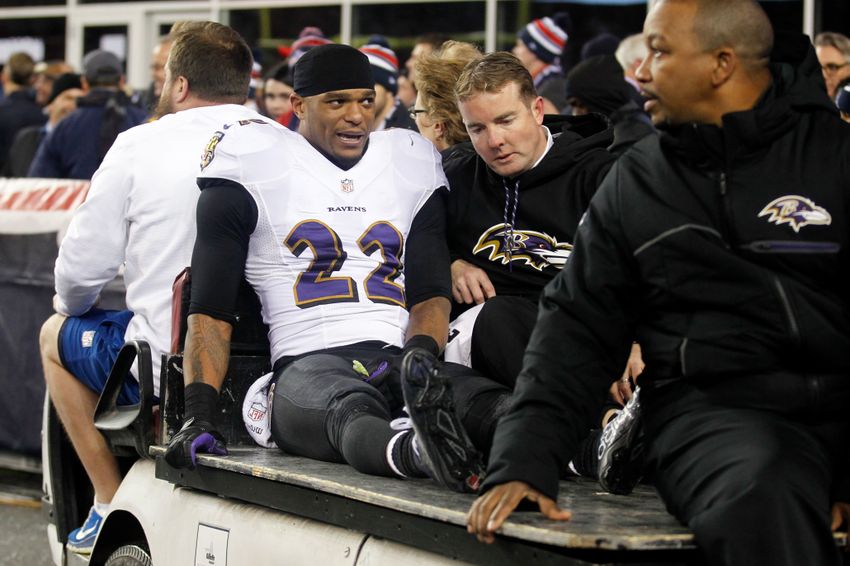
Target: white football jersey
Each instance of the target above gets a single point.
(326, 258)
(140, 213)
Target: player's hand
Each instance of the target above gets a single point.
(621, 390)
(470, 284)
(196, 437)
(491, 509)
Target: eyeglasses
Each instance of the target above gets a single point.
(414, 111)
(832, 68)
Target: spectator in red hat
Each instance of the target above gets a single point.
(539, 46)
(310, 37)
(389, 112)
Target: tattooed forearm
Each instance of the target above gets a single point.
(207, 350)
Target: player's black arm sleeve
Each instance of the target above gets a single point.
(226, 217)
(426, 270)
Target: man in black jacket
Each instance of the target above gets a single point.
(721, 246)
(19, 109)
(517, 193)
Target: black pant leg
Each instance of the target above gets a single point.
(500, 336)
(322, 410)
(753, 484)
(480, 403)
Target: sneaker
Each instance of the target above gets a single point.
(621, 447)
(445, 449)
(81, 540)
(585, 464)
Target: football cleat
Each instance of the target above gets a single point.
(621, 448)
(445, 449)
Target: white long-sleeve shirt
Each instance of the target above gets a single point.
(140, 212)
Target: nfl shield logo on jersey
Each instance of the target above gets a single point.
(346, 185)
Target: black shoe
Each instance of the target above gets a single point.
(445, 449)
(621, 448)
(585, 463)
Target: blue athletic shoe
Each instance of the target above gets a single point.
(81, 540)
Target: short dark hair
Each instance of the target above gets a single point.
(740, 24)
(492, 73)
(213, 58)
(280, 72)
(21, 67)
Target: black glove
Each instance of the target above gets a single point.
(195, 437)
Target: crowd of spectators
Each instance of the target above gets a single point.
(32, 142)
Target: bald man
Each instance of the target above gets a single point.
(721, 246)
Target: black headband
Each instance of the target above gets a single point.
(332, 67)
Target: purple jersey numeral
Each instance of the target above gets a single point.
(380, 285)
(316, 286)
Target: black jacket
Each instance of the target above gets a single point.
(23, 150)
(77, 145)
(552, 197)
(399, 118)
(17, 111)
(722, 251)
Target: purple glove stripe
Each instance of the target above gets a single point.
(382, 368)
(205, 443)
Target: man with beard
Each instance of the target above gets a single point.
(140, 213)
(721, 245)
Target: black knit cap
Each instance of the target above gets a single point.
(62, 83)
(332, 67)
(599, 84)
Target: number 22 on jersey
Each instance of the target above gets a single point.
(317, 286)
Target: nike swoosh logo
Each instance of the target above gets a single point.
(86, 532)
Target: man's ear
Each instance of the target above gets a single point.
(725, 64)
(181, 90)
(537, 109)
(297, 105)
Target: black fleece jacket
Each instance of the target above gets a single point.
(722, 250)
(543, 212)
